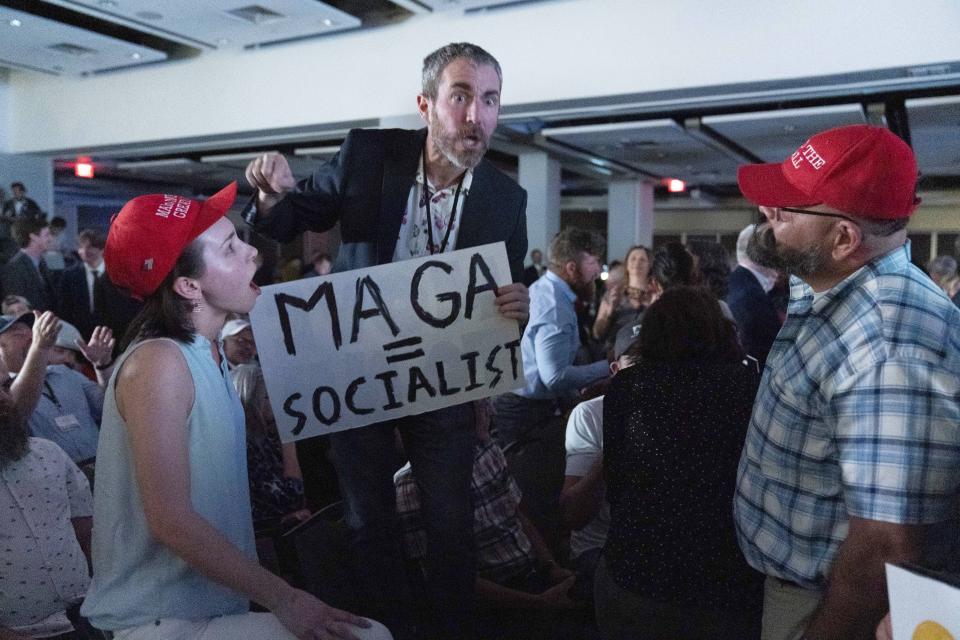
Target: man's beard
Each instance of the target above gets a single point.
(444, 141)
(763, 249)
(14, 437)
(585, 289)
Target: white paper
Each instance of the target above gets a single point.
(323, 376)
(922, 608)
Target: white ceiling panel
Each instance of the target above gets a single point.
(32, 42)
(935, 134)
(222, 23)
(774, 135)
(660, 147)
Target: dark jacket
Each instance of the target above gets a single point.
(20, 277)
(30, 208)
(116, 308)
(757, 321)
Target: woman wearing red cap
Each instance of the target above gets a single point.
(173, 546)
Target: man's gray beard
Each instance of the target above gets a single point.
(443, 142)
(763, 249)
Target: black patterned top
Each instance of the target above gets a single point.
(672, 434)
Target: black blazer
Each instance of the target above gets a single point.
(30, 208)
(21, 278)
(118, 309)
(757, 321)
(75, 301)
(530, 275)
(365, 188)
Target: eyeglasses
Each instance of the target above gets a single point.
(822, 214)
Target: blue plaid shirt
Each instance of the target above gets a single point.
(857, 415)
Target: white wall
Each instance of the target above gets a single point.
(549, 51)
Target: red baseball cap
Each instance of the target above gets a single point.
(148, 235)
(862, 170)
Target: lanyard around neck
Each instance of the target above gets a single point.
(48, 392)
(453, 211)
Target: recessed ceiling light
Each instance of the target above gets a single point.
(327, 22)
(15, 23)
(135, 55)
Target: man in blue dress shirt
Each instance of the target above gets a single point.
(528, 424)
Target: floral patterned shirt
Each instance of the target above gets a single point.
(413, 240)
(42, 568)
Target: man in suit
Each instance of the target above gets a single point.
(86, 295)
(748, 298)
(401, 194)
(25, 274)
(20, 206)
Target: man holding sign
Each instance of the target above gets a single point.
(397, 195)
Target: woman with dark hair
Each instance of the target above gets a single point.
(623, 304)
(713, 265)
(673, 428)
(173, 545)
(672, 266)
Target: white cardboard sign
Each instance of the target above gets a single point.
(922, 607)
(360, 347)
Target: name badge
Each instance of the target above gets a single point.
(67, 422)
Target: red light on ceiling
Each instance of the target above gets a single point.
(83, 169)
(676, 186)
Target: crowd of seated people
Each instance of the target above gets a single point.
(602, 503)
(628, 543)
(47, 507)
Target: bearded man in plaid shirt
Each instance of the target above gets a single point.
(852, 458)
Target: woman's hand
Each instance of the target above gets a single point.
(310, 619)
(99, 350)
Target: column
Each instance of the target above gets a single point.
(629, 216)
(539, 174)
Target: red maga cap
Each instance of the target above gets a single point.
(861, 170)
(148, 235)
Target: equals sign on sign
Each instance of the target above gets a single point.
(401, 344)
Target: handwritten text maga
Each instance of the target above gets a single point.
(360, 347)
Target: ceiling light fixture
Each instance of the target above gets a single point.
(15, 23)
(135, 56)
(327, 22)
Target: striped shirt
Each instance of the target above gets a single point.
(857, 415)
